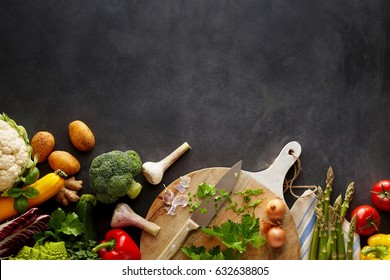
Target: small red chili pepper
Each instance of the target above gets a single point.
(118, 245)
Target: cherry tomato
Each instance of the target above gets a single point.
(368, 219)
(380, 195)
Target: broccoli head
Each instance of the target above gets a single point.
(111, 175)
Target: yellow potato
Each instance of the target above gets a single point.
(42, 144)
(81, 136)
(64, 161)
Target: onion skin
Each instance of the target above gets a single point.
(276, 209)
(276, 237)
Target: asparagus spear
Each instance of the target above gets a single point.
(327, 195)
(313, 255)
(343, 211)
(332, 240)
(324, 216)
(351, 233)
(348, 197)
(322, 249)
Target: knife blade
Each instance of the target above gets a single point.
(198, 219)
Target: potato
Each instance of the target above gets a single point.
(65, 161)
(42, 144)
(81, 136)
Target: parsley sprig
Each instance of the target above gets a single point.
(235, 236)
(67, 227)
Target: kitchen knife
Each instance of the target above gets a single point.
(198, 219)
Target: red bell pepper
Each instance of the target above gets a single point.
(118, 245)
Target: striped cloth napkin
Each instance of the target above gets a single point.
(303, 214)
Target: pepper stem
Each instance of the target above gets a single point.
(380, 251)
(105, 245)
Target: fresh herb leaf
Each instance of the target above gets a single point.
(205, 190)
(72, 225)
(56, 219)
(236, 236)
(30, 192)
(232, 206)
(254, 203)
(67, 227)
(254, 191)
(20, 196)
(193, 204)
(247, 202)
(225, 195)
(215, 253)
(83, 251)
(14, 192)
(62, 227)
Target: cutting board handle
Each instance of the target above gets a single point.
(176, 242)
(273, 177)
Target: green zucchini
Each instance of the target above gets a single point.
(85, 209)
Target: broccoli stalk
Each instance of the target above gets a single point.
(112, 174)
(134, 190)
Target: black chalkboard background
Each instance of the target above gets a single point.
(236, 79)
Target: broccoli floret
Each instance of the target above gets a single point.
(106, 198)
(111, 175)
(47, 251)
(136, 162)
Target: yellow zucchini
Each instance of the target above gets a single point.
(47, 186)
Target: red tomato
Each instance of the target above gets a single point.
(367, 221)
(380, 195)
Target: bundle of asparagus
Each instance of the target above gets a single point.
(328, 240)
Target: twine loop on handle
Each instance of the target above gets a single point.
(288, 183)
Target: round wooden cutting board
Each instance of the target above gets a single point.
(152, 246)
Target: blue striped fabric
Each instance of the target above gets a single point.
(304, 216)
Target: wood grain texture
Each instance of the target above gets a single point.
(151, 246)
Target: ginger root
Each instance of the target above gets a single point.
(69, 191)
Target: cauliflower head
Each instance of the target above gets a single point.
(111, 175)
(15, 153)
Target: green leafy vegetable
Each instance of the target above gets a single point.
(235, 236)
(62, 227)
(238, 235)
(204, 190)
(215, 253)
(68, 228)
(248, 203)
(208, 192)
(82, 250)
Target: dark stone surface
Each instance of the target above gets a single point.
(236, 79)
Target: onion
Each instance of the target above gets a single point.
(276, 237)
(276, 209)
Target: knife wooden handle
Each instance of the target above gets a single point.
(176, 242)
